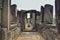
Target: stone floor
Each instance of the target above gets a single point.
(29, 36)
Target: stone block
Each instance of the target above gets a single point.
(3, 33)
(9, 36)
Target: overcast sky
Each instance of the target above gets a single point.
(32, 4)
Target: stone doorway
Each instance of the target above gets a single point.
(29, 21)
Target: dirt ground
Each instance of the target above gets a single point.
(29, 36)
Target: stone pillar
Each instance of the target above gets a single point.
(4, 18)
(41, 19)
(33, 19)
(38, 17)
(0, 15)
(13, 13)
(42, 13)
(1, 1)
(19, 18)
(48, 13)
(22, 20)
(57, 5)
(6, 13)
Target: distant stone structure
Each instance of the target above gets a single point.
(33, 20)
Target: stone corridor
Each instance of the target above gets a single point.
(16, 25)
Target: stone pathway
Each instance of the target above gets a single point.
(29, 36)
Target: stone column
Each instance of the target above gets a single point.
(0, 9)
(57, 5)
(6, 13)
(48, 13)
(42, 13)
(0, 15)
(38, 17)
(33, 19)
(13, 13)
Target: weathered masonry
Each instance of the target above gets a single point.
(57, 5)
(9, 29)
(28, 24)
(47, 13)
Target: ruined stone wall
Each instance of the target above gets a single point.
(9, 35)
(47, 16)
